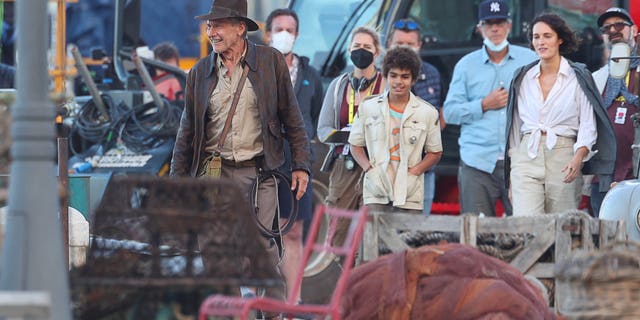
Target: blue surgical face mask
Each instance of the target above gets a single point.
(495, 47)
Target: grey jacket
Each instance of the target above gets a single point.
(329, 120)
(308, 90)
(603, 162)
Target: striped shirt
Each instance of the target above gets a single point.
(394, 141)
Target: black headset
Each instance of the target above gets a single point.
(360, 84)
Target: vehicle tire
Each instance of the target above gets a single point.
(318, 288)
(322, 271)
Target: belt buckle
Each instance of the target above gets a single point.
(233, 163)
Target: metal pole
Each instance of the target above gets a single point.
(61, 52)
(63, 180)
(91, 85)
(118, 27)
(33, 257)
(148, 83)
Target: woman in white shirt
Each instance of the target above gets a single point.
(553, 123)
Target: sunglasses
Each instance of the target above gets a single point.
(406, 25)
(618, 26)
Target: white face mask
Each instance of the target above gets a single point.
(415, 49)
(495, 47)
(283, 41)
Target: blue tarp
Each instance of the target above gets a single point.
(90, 24)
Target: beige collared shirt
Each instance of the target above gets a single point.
(244, 138)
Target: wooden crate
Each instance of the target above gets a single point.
(550, 238)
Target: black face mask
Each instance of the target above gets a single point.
(361, 58)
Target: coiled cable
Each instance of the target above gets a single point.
(139, 128)
(278, 177)
(90, 126)
(149, 126)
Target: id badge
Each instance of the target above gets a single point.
(621, 115)
(346, 149)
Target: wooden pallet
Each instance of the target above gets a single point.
(551, 237)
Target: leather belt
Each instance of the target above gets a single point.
(251, 163)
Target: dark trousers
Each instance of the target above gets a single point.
(479, 190)
(596, 199)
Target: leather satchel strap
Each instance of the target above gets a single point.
(232, 110)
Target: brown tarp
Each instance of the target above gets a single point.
(446, 281)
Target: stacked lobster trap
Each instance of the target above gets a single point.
(603, 284)
(159, 246)
(533, 245)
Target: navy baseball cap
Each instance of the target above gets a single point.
(614, 12)
(493, 9)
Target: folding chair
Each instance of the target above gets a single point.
(220, 305)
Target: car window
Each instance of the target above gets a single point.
(321, 24)
(441, 29)
(581, 15)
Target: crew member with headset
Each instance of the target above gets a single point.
(341, 101)
(620, 95)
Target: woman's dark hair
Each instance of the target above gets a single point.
(402, 58)
(569, 39)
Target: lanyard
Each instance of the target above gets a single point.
(352, 99)
(626, 81)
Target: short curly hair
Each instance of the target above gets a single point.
(403, 58)
(570, 42)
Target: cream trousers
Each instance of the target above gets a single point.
(537, 186)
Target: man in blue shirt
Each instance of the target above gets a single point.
(406, 32)
(476, 101)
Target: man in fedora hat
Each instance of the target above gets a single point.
(232, 128)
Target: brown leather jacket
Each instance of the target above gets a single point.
(269, 75)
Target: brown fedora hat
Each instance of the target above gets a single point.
(221, 9)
